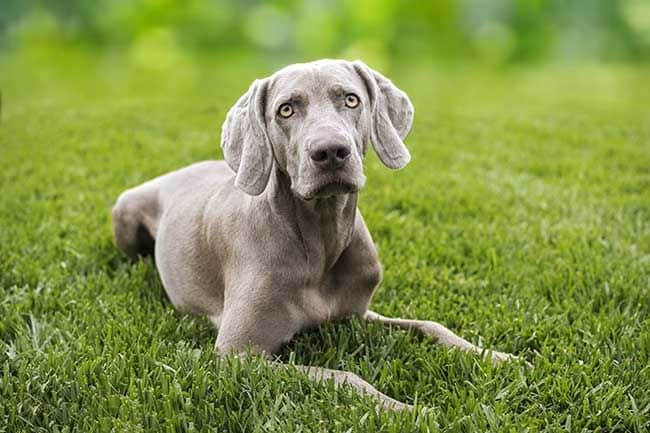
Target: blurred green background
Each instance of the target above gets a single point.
(160, 33)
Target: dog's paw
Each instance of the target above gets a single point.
(497, 358)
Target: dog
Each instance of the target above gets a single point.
(270, 241)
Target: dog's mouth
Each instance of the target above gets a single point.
(335, 188)
(329, 189)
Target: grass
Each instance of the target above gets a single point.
(523, 223)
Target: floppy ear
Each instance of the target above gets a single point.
(245, 143)
(392, 116)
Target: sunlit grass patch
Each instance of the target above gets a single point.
(523, 223)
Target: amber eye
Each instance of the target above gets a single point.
(285, 110)
(351, 100)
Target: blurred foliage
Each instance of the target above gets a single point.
(380, 31)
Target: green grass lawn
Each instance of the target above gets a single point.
(522, 223)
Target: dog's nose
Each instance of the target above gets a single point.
(330, 156)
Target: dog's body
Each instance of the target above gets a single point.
(270, 241)
(214, 243)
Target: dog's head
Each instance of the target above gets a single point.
(314, 121)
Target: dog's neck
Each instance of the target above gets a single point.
(323, 226)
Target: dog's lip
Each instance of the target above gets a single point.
(331, 188)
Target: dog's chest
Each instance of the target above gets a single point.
(315, 304)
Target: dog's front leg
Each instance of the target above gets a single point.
(442, 335)
(341, 378)
(265, 328)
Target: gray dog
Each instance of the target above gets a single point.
(270, 242)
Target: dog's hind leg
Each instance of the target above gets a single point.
(135, 219)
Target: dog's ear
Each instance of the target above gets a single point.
(245, 142)
(392, 116)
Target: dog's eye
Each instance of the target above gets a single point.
(285, 110)
(351, 100)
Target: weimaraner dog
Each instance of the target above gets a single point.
(270, 241)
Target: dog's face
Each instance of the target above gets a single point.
(314, 121)
(318, 119)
